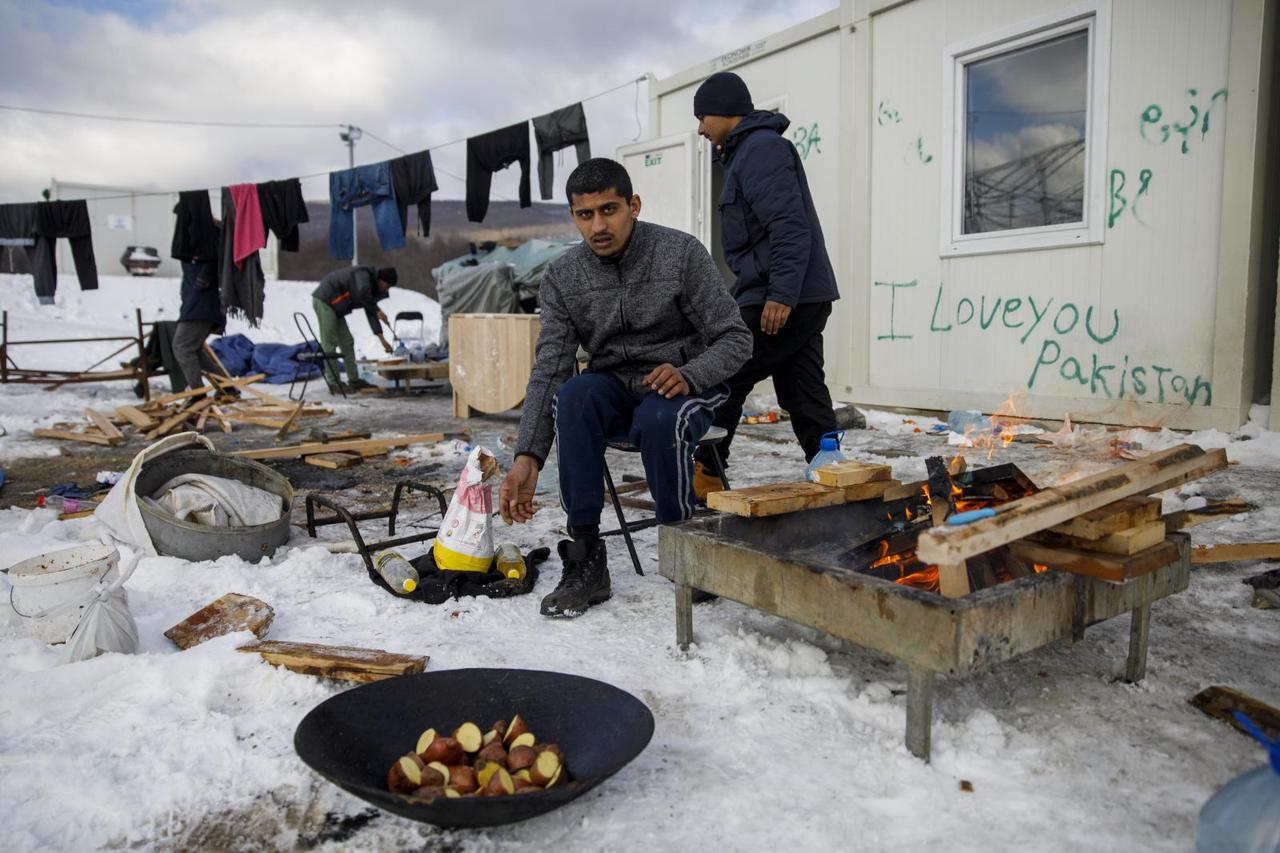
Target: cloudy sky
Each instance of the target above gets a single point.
(416, 74)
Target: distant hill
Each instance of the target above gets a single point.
(451, 233)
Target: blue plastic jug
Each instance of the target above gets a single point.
(1244, 817)
(828, 452)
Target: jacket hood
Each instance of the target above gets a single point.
(758, 120)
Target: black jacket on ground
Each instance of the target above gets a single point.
(769, 228)
(195, 235)
(353, 287)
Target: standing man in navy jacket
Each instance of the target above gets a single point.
(773, 244)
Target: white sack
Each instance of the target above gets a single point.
(216, 501)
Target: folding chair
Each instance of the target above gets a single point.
(314, 354)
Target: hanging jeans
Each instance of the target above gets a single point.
(55, 219)
(553, 131)
(414, 180)
(487, 154)
(352, 188)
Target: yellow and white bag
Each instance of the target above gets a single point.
(465, 540)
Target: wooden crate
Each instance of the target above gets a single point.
(490, 359)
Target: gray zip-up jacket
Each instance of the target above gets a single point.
(349, 288)
(662, 301)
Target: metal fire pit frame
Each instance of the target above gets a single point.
(748, 561)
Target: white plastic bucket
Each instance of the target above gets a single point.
(49, 591)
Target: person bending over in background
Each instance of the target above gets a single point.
(201, 315)
(773, 244)
(341, 292)
(651, 309)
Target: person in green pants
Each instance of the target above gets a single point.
(339, 293)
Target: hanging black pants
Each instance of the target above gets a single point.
(62, 219)
(414, 180)
(553, 131)
(487, 154)
(794, 359)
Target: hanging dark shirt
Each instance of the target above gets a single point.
(18, 224)
(283, 208)
(194, 234)
(490, 152)
(414, 180)
(555, 130)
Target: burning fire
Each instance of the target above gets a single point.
(926, 579)
(1003, 426)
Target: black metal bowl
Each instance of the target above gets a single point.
(353, 738)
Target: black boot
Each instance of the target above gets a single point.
(583, 582)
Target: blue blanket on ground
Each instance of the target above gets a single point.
(279, 361)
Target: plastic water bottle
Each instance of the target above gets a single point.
(1244, 817)
(968, 421)
(396, 571)
(511, 562)
(828, 452)
(400, 351)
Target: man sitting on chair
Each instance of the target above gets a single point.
(663, 333)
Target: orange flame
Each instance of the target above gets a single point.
(926, 579)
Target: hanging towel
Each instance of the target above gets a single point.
(414, 180)
(240, 287)
(54, 220)
(195, 236)
(283, 208)
(250, 234)
(487, 154)
(555, 130)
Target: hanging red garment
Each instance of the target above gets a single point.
(250, 234)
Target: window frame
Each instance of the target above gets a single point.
(1092, 17)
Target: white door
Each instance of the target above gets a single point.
(670, 176)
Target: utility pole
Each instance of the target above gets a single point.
(349, 136)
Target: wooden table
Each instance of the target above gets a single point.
(490, 359)
(409, 371)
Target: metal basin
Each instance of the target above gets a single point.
(352, 738)
(197, 542)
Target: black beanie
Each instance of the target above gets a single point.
(722, 94)
(389, 275)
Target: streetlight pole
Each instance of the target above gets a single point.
(349, 136)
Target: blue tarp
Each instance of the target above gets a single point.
(279, 361)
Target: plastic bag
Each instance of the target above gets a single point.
(465, 540)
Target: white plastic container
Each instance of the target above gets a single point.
(46, 587)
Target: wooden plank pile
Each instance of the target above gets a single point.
(191, 409)
(1104, 526)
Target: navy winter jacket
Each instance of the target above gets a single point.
(769, 228)
(200, 300)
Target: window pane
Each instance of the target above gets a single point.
(1025, 136)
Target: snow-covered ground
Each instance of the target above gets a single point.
(769, 736)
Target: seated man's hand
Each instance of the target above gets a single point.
(666, 379)
(515, 498)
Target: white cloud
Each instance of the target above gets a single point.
(417, 74)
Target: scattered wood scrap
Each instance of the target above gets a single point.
(334, 460)
(356, 445)
(1235, 553)
(340, 662)
(1211, 511)
(233, 612)
(1219, 702)
(775, 499)
(851, 472)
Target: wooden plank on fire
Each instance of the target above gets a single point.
(1235, 553)
(1124, 543)
(775, 499)
(1219, 702)
(1055, 505)
(1112, 518)
(341, 662)
(232, 612)
(1105, 566)
(851, 472)
(867, 491)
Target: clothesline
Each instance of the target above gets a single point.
(636, 82)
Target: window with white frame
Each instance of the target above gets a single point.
(1024, 128)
